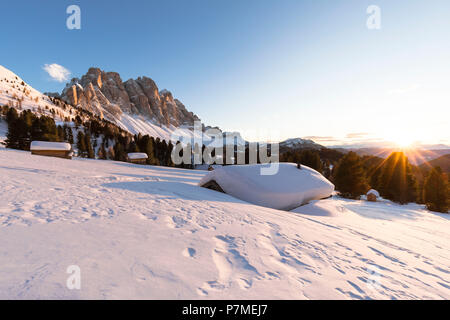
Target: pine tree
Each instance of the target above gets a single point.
(133, 147)
(349, 176)
(148, 146)
(89, 150)
(157, 148)
(12, 137)
(81, 145)
(61, 133)
(163, 153)
(19, 128)
(436, 191)
(119, 152)
(396, 181)
(101, 153)
(169, 161)
(69, 135)
(11, 115)
(44, 129)
(311, 159)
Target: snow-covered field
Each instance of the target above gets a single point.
(151, 232)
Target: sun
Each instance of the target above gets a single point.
(402, 141)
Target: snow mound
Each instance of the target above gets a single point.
(137, 155)
(289, 188)
(45, 145)
(374, 192)
(323, 208)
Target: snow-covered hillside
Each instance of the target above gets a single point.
(15, 92)
(151, 232)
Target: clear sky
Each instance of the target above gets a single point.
(269, 69)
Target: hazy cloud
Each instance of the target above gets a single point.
(321, 138)
(356, 135)
(57, 72)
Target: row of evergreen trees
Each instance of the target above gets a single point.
(310, 158)
(393, 179)
(26, 127)
(114, 144)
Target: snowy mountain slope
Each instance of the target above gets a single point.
(150, 232)
(17, 93)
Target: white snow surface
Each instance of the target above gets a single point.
(289, 188)
(46, 145)
(137, 155)
(149, 232)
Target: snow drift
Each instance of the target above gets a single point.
(289, 188)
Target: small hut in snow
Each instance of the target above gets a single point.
(137, 157)
(372, 195)
(287, 189)
(51, 149)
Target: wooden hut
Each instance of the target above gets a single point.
(372, 195)
(213, 185)
(51, 149)
(137, 157)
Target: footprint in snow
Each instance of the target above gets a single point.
(189, 252)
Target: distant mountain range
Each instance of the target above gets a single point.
(299, 143)
(443, 162)
(416, 157)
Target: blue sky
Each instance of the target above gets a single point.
(269, 69)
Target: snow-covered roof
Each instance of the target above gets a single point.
(289, 188)
(374, 192)
(137, 155)
(45, 145)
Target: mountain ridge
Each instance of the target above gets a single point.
(105, 94)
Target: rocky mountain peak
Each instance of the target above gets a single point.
(105, 94)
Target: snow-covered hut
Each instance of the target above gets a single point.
(51, 149)
(137, 157)
(289, 188)
(372, 195)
